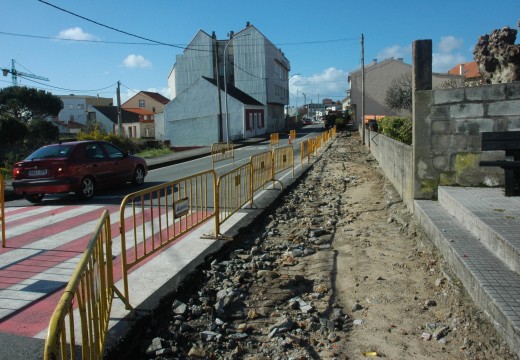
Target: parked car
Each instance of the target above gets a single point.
(81, 167)
(307, 121)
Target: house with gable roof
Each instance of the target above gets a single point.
(146, 100)
(243, 96)
(379, 76)
(137, 123)
(470, 72)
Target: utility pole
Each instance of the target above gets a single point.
(217, 78)
(363, 87)
(297, 93)
(305, 103)
(119, 114)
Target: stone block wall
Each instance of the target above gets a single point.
(447, 135)
(395, 159)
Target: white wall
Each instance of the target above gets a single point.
(189, 123)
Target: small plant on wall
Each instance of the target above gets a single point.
(397, 128)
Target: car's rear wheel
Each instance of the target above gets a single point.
(138, 178)
(34, 198)
(86, 189)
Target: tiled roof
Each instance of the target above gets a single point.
(111, 113)
(469, 70)
(156, 96)
(140, 111)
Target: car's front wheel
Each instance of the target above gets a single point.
(86, 189)
(138, 178)
(34, 198)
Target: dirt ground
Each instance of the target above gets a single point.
(407, 294)
(338, 269)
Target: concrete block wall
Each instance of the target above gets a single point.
(395, 159)
(447, 139)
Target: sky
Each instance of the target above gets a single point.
(86, 47)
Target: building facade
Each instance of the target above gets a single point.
(75, 107)
(146, 100)
(378, 78)
(242, 80)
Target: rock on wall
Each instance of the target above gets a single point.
(498, 57)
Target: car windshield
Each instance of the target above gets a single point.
(51, 151)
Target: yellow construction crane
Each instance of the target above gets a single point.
(15, 73)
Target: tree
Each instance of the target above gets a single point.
(12, 131)
(42, 132)
(399, 95)
(23, 103)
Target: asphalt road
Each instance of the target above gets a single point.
(165, 173)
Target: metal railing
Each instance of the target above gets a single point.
(221, 152)
(292, 135)
(150, 220)
(261, 170)
(161, 214)
(274, 140)
(2, 208)
(234, 190)
(90, 291)
(283, 159)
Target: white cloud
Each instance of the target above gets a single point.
(75, 33)
(395, 51)
(449, 44)
(443, 62)
(331, 83)
(163, 91)
(448, 54)
(136, 61)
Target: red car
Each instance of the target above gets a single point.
(79, 166)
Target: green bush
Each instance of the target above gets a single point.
(120, 141)
(397, 128)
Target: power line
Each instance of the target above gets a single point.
(110, 27)
(65, 89)
(76, 40)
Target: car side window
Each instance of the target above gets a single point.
(94, 152)
(113, 152)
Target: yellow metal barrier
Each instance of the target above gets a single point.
(261, 170)
(292, 135)
(283, 159)
(221, 152)
(2, 208)
(274, 140)
(161, 214)
(91, 289)
(304, 152)
(233, 192)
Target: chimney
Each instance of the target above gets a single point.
(374, 61)
(461, 69)
(248, 24)
(231, 34)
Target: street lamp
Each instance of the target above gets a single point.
(225, 83)
(288, 80)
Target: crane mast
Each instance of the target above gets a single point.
(15, 73)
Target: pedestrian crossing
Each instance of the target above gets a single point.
(43, 247)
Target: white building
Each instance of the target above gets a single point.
(254, 78)
(75, 107)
